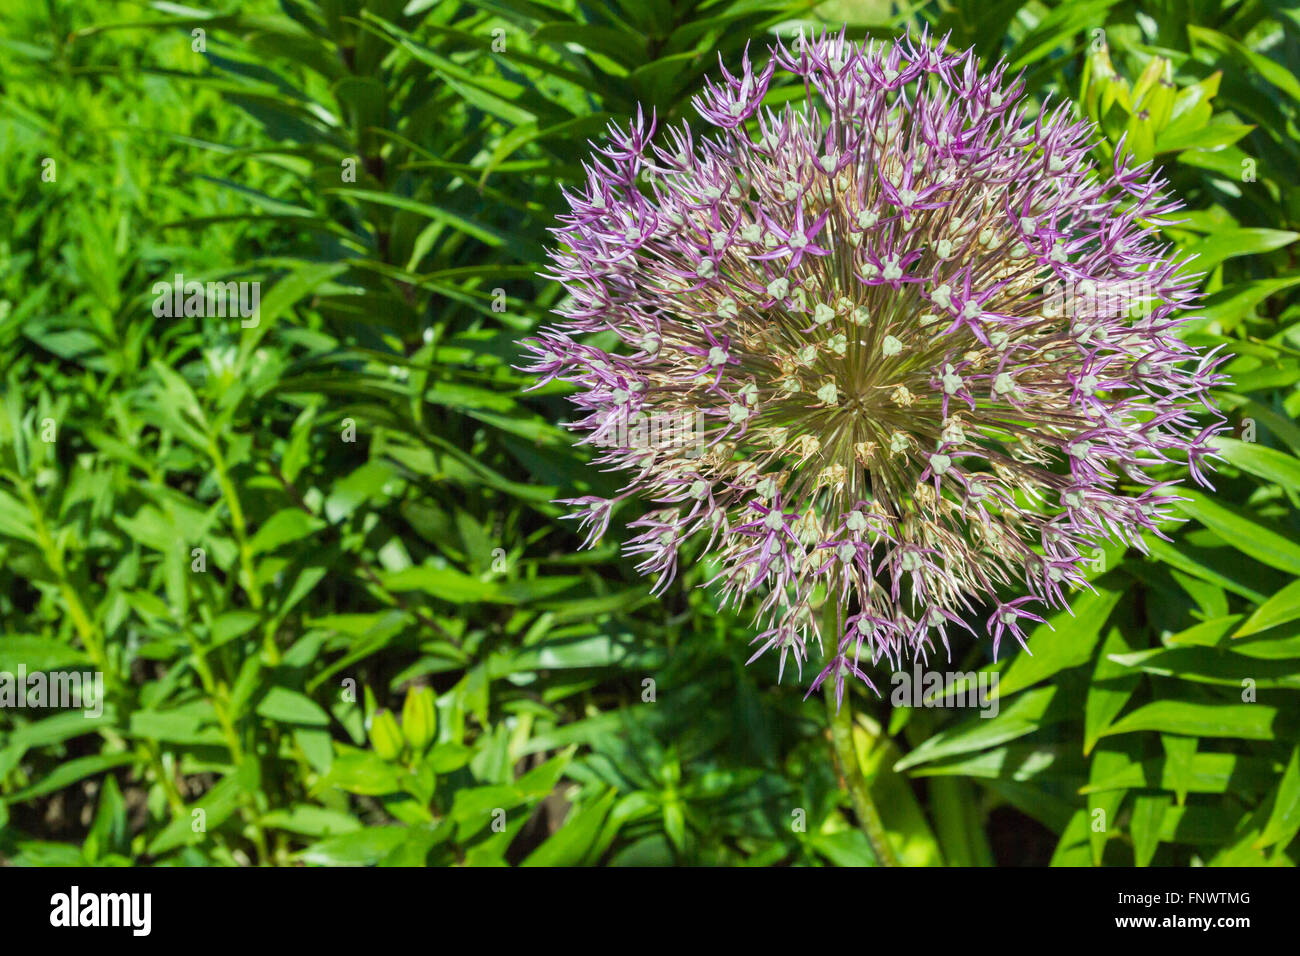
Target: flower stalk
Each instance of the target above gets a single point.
(840, 718)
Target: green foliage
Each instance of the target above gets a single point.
(313, 554)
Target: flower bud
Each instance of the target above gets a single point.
(385, 736)
(419, 718)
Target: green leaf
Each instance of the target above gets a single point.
(1242, 532)
(448, 584)
(284, 527)
(1212, 565)
(362, 772)
(624, 48)
(1282, 608)
(177, 726)
(38, 654)
(1261, 461)
(1272, 71)
(217, 806)
(284, 295)
(1213, 666)
(1284, 820)
(484, 233)
(1148, 818)
(291, 707)
(310, 820)
(569, 845)
(1109, 690)
(1244, 721)
(109, 833)
(1206, 137)
(60, 727)
(1022, 716)
(360, 848)
(68, 773)
(1205, 773)
(1230, 243)
(1211, 633)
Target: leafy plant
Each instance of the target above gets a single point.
(284, 542)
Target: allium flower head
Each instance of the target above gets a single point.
(925, 353)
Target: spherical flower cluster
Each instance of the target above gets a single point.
(895, 353)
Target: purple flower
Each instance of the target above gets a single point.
(931, 352)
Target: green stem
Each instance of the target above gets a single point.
(81, 619)
(248, 571)
(846, 755)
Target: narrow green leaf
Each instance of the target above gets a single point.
(1282, 608)
(1243, 532)
(1242, 721)
(1284, 820)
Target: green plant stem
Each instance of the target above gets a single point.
(248, 571)
(846, 755)
(81, 620)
